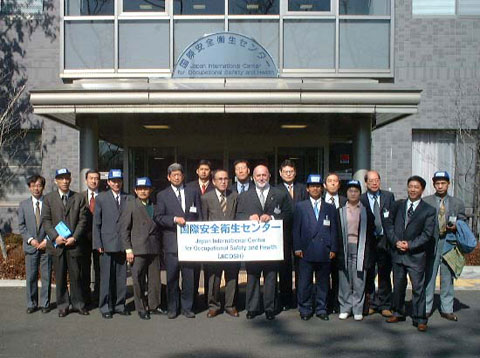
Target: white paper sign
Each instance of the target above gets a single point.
(230, 241)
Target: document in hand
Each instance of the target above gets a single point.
(63, 230)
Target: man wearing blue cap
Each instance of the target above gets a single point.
(106, 239)
(140, 237)
(64, 219)
(315, 237)
(449, 210)
(409, 229)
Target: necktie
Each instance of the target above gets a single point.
(262, 199)
(223, 203)
(37, 215)
(442, 221)
(117, 199)
(204, 188)
(332, 200)
(242, 189)
(376, 213)
(64, 200)
(91, 204)
(179, 196)
(290, 190)
(315, 209)
(410, 213)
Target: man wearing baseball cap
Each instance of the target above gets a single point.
(449, 210)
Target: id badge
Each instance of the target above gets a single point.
(193, 209)
(386, 214)
(326, 222)
(452, 219)
(277, 210)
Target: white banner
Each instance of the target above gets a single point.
(230, 241)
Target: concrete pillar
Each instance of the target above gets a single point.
(362, 143)
(88, 146)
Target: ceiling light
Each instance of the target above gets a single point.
(156, 126)
(293, 126)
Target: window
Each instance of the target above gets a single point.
(89, 7)
(24, 7)
(198, 7)
(446, 7)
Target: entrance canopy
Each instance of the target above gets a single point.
(384, 102)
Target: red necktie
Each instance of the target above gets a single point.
(204, 188)
(92, 203)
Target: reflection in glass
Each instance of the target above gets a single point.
(309, 5)
(144, 5)
(188, 31)
(364, 44)
(253, 7)
(364, 7)
(197, 7)
(89, 7)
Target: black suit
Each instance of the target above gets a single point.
(66, 258)
(285, 270)
(276, 205)
(166, 209)
(418, 232)
(382, 257)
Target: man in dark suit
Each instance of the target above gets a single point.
(242, 176)
(315, 242)
(409, 229)
(263, 204)
(176, 205)
(141, 239)
(379, 202)
(67, 207)
(106, 240)
(449, 210)
(331, 196)
(92, 179)
(219, 205)
(295, 192)
(34, 246)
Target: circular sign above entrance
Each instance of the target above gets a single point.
(225, 55)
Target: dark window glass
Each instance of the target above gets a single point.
(253, 7)
(198, 7)
(89, 7)
(364, 7)
(144, 5)
(309, 5)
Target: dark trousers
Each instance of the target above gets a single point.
(86, 274)
(175, 299)
(113, 282)
(33, 262)
(146, 277)
(417, 279)
(382, 299)
(332, 303)
(214, 273)
(305, 286)
(254, 296)
(63, 264)
(285, 277)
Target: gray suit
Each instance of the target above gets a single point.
(454, 207)
(140, 234)
(113, 265)
(33, 257)
(66, 258)
(211, 211)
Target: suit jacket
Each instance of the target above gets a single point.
(106, 221)
(74, 215)
(233, 186)
(211, 210)
(195, 185)
(453, 206)
(138, 231)
(28, 226)
(418, 232)
(386, 202)
(313, 237)
(168, 207)
(366, 238)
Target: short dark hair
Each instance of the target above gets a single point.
(371, 171)
(288, 163)
(92, 171)
(34, 178)
(238, 161)
(329, 174)
(205, 162)
(418, 178)
(218, 170)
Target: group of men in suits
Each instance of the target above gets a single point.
(114, 228)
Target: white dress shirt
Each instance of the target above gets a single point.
(335, 198)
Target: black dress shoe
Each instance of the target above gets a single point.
(306, 317)
(123, 313)
(107, 315)
(189, 314)
(46, 309)
(83, 312)
(269, 315)
(251, 314)
(144, 315)
(323, 316)
(62, 313)
(31, 310)
(159, 311)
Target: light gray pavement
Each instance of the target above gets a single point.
(46, 335)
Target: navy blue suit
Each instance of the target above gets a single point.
(316, 239)
(166, 209)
